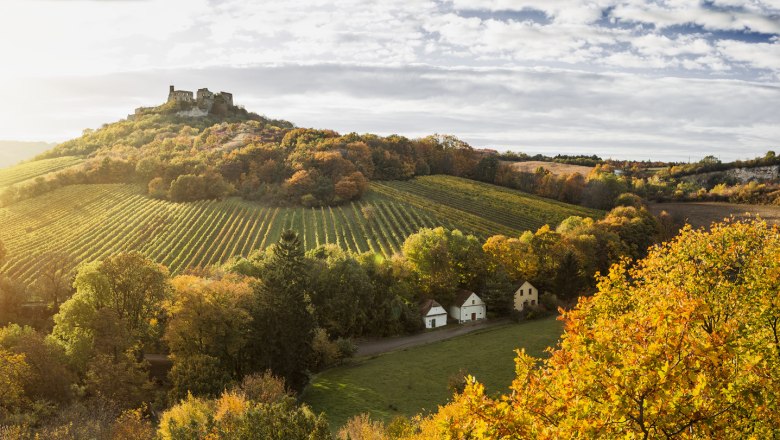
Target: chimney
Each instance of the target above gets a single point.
(170, 90)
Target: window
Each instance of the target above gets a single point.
(473, 301)
(521, 292)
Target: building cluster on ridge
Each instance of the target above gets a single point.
(204, 99)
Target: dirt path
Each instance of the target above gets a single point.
(377, 346)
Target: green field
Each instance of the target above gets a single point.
(90, 222)
(30, 170)
(414, 380)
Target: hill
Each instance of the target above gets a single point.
(89, 222)
(39, 168)
(415, 380)
(13, 152)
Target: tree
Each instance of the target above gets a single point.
(117, 307)
(445, 260)
(55, 278)
(341, 295)
(283, 325)
(209, 322)
(13, 374)
(48, 375)
(684, 344)
(233, 416)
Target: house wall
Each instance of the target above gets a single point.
(438, 320)
(530, 296)
(473, 304)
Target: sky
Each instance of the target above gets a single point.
(626, 79)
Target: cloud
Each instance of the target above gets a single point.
(566, 74)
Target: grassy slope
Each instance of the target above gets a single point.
(29, 170)
(90, 222)
(413, 380)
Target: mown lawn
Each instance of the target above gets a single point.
(414, 380)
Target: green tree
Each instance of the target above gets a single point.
(445, 260)
(283, 324)
(117, 307)
(341, 294)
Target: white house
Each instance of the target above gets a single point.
(468, 307)
(433, 314)
(526, 295)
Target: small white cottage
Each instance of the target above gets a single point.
(526, 295)
(468, 307)
(433, 314)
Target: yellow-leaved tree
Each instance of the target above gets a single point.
(683, 344)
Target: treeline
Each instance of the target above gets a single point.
(712, 163)
(584, 160)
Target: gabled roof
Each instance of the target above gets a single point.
(427, 305)
(462, 296)
(518, 286)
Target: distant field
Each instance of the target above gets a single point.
(414, 380)
(30, 170)
(704, 214)
(553, 167)
(90, 222)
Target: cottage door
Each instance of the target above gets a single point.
(473, 316)
(433, 323)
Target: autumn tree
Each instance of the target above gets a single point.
(208, 333)
(683, 344)
(49, 377)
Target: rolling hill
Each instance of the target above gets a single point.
(89, 222)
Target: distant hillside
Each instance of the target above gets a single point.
(13, 152)
(90, 222)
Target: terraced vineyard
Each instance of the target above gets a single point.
(30, 170)
(90, 222)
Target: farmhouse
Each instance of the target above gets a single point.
(526, 295)
(433, 314)
(467, 307)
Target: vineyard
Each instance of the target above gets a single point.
(473, 202)
(90, 222)
(30, 170)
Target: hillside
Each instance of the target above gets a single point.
(90, 222)
(31, 170)
(13, 152)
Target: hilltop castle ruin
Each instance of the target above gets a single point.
(203, 102)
